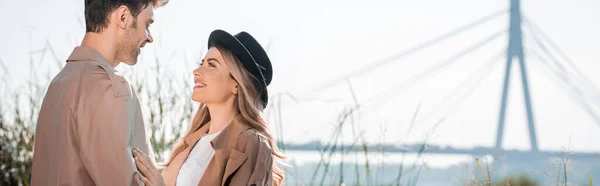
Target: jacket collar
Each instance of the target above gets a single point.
(119, 84)
(224, 146)
(82, 53)
(224, 139)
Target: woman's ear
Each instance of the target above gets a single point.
(234, 90)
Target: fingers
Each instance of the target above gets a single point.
(145, 180)
(142, 168)
(149, 173)
(144, 159)
(143, 155)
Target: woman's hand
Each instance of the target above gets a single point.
(150, 174)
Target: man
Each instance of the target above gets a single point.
(90, 118)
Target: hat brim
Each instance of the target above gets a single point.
(222, 38)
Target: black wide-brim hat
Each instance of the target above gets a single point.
(251, 54)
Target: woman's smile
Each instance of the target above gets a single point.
(198, 84)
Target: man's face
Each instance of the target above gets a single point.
(136, 35)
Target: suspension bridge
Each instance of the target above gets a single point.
(560, 67)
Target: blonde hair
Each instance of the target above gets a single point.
(249, 107)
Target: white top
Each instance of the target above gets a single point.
(193, 168)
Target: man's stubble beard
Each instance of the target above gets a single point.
(128, 47)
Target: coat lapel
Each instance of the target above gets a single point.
(228, 158)
(172, 171)
(236, 158)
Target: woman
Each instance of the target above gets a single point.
(228, 143)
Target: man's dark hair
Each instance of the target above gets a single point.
(97, 11)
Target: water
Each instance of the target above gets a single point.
(430, 169)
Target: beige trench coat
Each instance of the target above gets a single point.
(242, 157)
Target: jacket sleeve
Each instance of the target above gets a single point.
(140, 138)
(104, 130)
(259, 162)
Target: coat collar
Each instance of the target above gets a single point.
(119, 84)
(82, 53)
(224, 139)
(226, 154)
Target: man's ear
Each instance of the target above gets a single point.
(122, 16)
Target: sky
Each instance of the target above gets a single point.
(313, 42)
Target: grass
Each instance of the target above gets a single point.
(16, 148)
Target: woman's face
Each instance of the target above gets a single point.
(213, 83)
